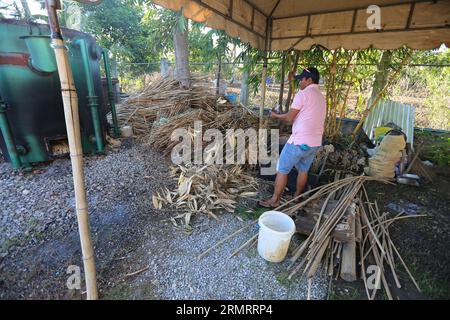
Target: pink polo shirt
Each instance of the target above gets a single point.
(309, 123)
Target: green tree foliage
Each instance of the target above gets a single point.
(116, 25)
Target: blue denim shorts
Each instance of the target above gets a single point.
(293, 156)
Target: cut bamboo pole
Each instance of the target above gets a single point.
(247, 243)
(316, 262)
(204, 253)
(70, 102)
(389, 221)
(363, 269)
(309, 289)
(137, 272)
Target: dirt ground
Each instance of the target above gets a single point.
(423, 242)
(130, 236)
(125, 238)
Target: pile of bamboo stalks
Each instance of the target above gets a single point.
(163, 98)
(205, 190)
(348, 232)
(160, 109)
(211, 118)
(160, 134)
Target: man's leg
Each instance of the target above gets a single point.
(280, 183)
(286, 162)
(302, 178)
(303, 167)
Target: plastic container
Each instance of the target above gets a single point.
(275, 233)
(126, 132)
(231, 97)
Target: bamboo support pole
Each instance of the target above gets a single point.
(280, 97)
(70, 102)
(263, 90)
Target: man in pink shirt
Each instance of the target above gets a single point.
(307, 115)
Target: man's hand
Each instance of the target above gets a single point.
(286, 117)
(273, 114)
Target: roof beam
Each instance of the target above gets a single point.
(364, 32)
(274, 8)
(411, 11)
(255, 8)
(252, 22)
(354, 8)
(226, 17)
(353, 20)
(308, 25)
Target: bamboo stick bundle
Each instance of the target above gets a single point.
(324, 228)
(374, 239)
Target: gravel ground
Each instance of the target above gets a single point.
(39, 238)
(180, 275)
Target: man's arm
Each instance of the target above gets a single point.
(286, 117)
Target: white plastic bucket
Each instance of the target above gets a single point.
(275, 233)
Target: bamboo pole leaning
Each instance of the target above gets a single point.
(70, 102)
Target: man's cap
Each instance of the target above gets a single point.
(308, 73)
(305, 74)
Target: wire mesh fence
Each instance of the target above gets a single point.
(431, 101)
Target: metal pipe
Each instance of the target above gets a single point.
(92, 98)
(112, 101)
(7, 136)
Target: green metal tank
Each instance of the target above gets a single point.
(31, 107)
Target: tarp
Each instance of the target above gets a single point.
(300, 24)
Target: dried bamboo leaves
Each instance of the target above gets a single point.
(161, 99)
(203, 190)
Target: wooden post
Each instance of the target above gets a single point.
(280, 98)
(70, 102)
(219, 70)
(263, 90)
(348, 268)
(291, 79)
(267, 46)
(244, 87)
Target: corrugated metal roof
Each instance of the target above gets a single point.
(386, 111)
